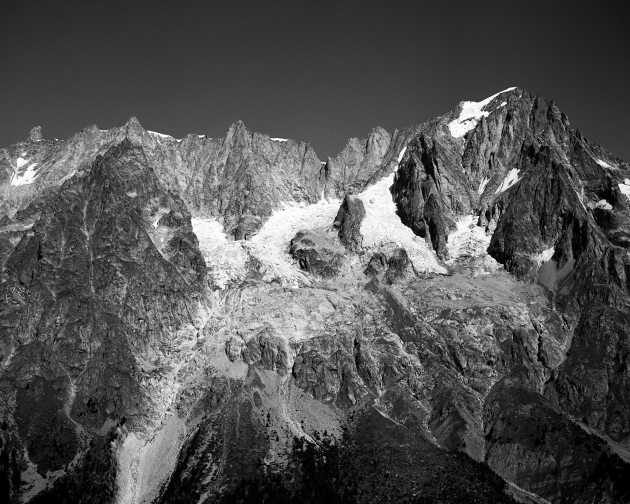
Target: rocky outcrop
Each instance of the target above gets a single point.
(376, 265)
(35, 134)
(390, 269)
(316, 253)
(267, 351)
(429, 191)
(398, 265)
(348, 223)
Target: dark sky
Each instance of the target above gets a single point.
(311, 70)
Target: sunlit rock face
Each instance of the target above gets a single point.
(436, 314)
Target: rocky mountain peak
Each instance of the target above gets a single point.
(35, 135)
(134, 130)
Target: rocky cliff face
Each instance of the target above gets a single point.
(439, 314)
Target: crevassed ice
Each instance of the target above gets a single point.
(471, 114)
(625, 188)
(227, 259)
(382, 226)
(271, 244)
(510, 179)
(468, 240)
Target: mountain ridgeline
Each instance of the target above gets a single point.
(436, 315)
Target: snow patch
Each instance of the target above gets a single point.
(471, 114)
(544, 256)
(603, 204)
(482, 186)
(625, 188)
(24, 176)
(401, 155)
(603, 164)
(382, 227)
(279, 139)
(510, 179)
(163, 136)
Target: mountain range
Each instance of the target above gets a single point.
(439, 314)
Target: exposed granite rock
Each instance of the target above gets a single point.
(234, 348)
(35, 134)
(390, 268)
(398, 265)
(316, 253)
(240, 179)
(267, 351)
(377, 264)
(96, 278)
(350, 170)
(348, 223)
(428, 192)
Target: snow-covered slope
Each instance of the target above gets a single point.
(471, 113)
(382, 227)
(227, 259)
